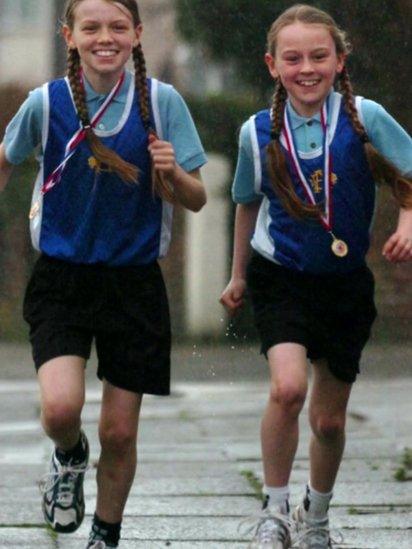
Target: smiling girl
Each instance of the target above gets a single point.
(116, 150)
(305, 194)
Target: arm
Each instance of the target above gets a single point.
(398, 248)
(394, 143)
(5, 168)
(188, 187)
(245, 221)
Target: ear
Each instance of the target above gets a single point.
(271, 65)
(138, 30)
(68, 37)
(341, 63)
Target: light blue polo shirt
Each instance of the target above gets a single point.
(24, 133)
(386, 135)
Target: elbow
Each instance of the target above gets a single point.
(199, 203)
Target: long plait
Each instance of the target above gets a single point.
(104, 157)
(277, 166)
(160, 185)
(382, 170)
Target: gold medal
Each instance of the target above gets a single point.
(34, 210)
(339, 247)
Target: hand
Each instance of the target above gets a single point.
(163, 156)
(232, 296)
(398, 248)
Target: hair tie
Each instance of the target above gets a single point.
(364, 138)
(274, 135)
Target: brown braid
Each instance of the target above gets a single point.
(382, 170)
(160, 185)
(104, 156)
(277, 167)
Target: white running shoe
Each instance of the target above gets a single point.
(272, 530)
(62, 492)
(311, 533)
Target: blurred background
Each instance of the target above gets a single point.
(212, 52)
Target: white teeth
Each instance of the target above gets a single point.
(308, 83)
(105, 53)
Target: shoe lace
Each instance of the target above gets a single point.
(266, 525)
(66, 476)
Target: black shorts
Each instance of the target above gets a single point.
(331, 315)
(125, 309)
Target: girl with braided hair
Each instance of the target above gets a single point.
(116, 150)
(305, 194)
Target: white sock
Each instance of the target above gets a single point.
(277, 498)
(317, 503)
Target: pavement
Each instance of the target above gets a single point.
(199, 454)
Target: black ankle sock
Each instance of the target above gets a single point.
(76, 454)
(106, 531)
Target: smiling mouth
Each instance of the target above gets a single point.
(308, 83)
(105, 53)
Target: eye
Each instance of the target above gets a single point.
(292, 59)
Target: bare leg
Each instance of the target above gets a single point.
(117, 463)
(327, 414)
(62, 393)
(280, 429)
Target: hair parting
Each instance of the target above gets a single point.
(382, 170)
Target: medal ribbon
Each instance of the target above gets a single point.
(326, 217)
(79, 136)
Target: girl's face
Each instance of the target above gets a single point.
(306, 62)
(104, 34)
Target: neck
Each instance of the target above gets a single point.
(102, 84)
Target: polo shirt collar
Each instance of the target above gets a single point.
(297, 120)
(121, 96)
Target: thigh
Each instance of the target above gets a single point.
(62, 382)
(133, 341)
(329, 395)
(279, 312)
(288, 366)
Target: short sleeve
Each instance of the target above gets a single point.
(179, 129)
(243, 188)
(387, 136)
(24, 132)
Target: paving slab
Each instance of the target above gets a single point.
(197, 450)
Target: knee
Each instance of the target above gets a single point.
(117, 439)
(328, 428)
(59, 417)
(288, 396)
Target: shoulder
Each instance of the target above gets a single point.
(166, 93)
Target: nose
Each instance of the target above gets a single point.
(105, 35)
(306, 65)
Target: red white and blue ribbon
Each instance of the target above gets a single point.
(79, 136)
(326, 217)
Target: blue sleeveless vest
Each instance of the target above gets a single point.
(306, 245)
(91, 217)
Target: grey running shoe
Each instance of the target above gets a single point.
(98, 545)
(272, 530)
(311, 534)
(62, 491)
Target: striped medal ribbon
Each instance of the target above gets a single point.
(338, 246)
(80, 135)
